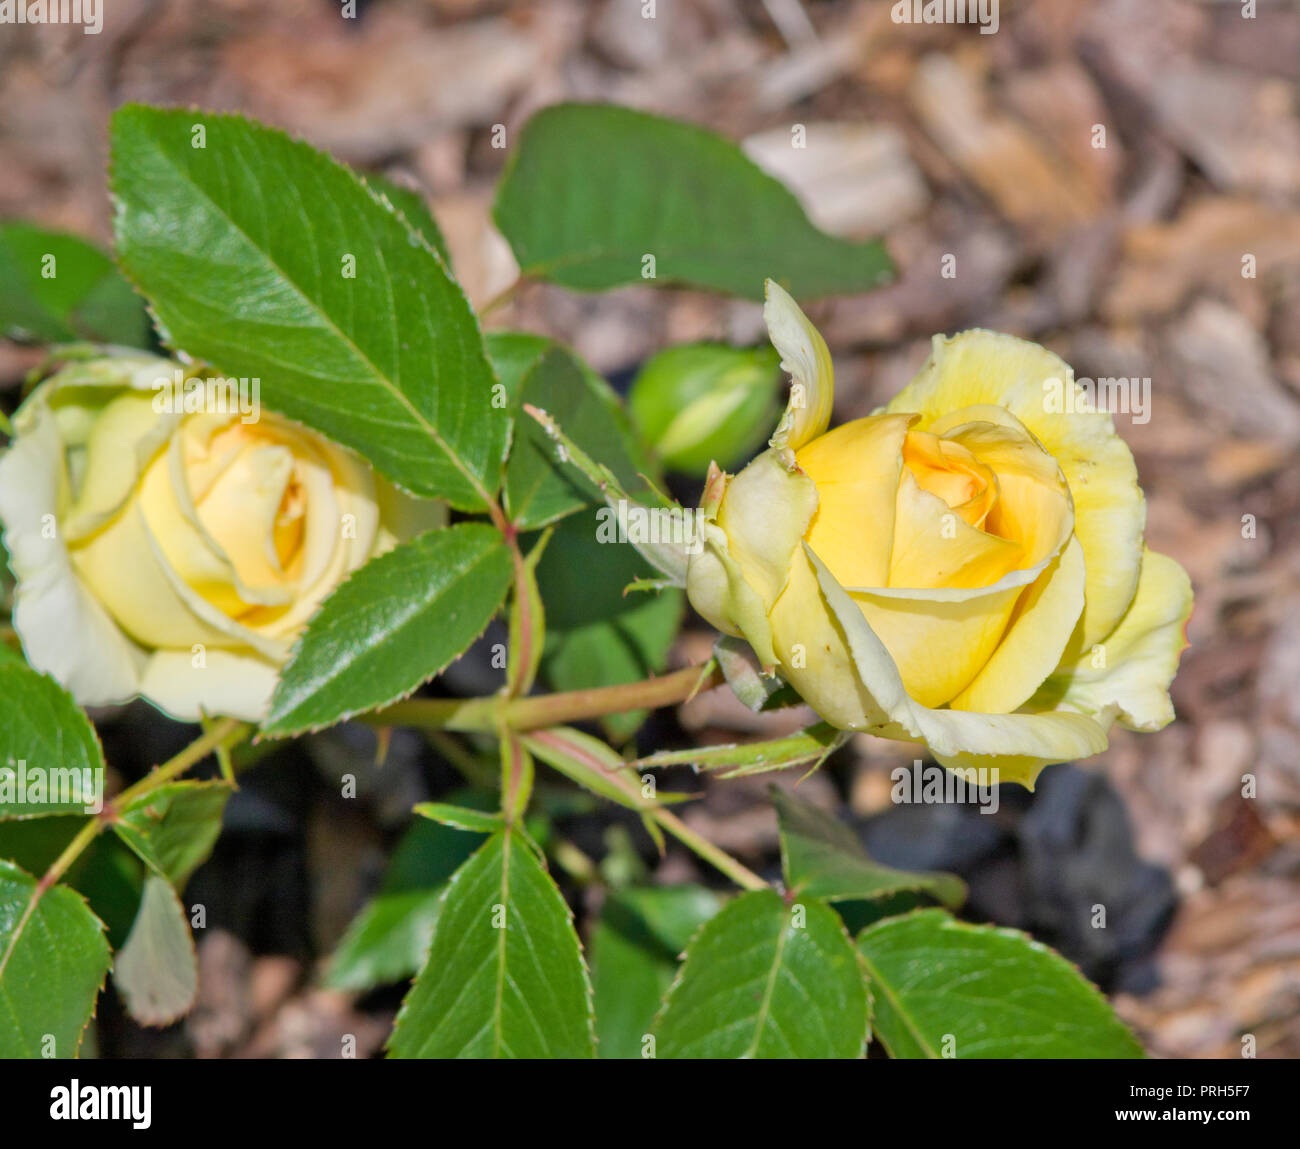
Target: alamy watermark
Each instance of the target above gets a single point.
(213, 396)
(64, 786)
(1112, 395)
(627, 522)
(922, 785)
(88, 13)
(981, 12)
(77, 1102)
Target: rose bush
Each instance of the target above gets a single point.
(964, 567)
(174, 554)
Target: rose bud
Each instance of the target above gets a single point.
(706, 401)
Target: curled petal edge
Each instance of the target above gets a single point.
(806, 357)
(1018, 746)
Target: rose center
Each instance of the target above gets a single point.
(251, 500)
(287, 535)
(952, 473)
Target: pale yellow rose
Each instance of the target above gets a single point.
(177, 554)
(964, 567)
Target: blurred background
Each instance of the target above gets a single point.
(1117, 179)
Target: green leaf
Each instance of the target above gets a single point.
(157, 970)
(591, 190)
(53, 958)
(590, 763)
(388, 940)
(172, 829)
(56, 288)
(596, 635)
(943, 988)
(243, 248)
(759, 982)
(505, 976)
(513, 355)
(823, 858)
(107, 874)
(397, 622)
(111, 879)
(460, 818)
(414, 210)
(740, 666)
(737, 759)
(634, 953)
(48, 748)
(539, 485)
(744, 674)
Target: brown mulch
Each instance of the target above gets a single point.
(1126, 258)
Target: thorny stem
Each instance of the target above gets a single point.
(71, 853)
(223, 735)
(499, 520)
(516, 683)
(478, 714)
(516, 766)
(744, 877)
(516, 776)
(537, 711)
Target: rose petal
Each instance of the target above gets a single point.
(985, 368)
(153, 603)
(1141, 656)
(856, 470)
(65, 631)
(719, 590)
(1016, 745)
(1033, 506)
(166, 496)
(239, 511)
(805, 356)
(1035, 637)
(765, 512)
(232, 684)
(125, 438)
(933, 546)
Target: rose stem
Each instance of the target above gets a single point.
(535, 711)
(226, 733)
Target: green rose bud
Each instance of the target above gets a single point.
(707, 402)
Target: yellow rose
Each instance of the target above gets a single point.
(964, 567)
(177, 554)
